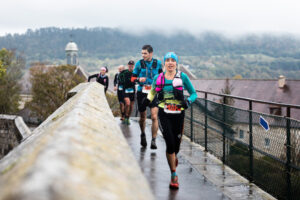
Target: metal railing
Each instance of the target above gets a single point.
(269, 158)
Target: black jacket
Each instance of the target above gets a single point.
(125, 79)
(103, 80)
(116, 80)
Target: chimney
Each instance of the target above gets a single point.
(281, 81)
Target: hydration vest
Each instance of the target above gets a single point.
(144, 66)
(176, 83)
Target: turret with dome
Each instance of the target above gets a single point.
(72, 53)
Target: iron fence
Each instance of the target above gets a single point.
(264, 148)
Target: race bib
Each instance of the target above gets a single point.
(120, 87)
(146, 88)
(129, 90)
(172, 108)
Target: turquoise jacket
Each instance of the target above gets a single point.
(149, 74)
(168, 90)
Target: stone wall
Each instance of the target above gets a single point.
(79, 152)
(12, 131)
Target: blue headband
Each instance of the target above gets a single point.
(171, 55)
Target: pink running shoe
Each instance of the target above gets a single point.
(174, 183)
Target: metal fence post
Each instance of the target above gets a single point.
(205, 126)
(192, 119)
(224, 129)
(288, 153)
(250, 142)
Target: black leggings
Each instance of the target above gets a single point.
(172, 127)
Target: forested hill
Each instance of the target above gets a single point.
(48, 44)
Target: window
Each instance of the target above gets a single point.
(275, 111)
(267, 142)
(242, 134)
(69, 59)
(74, 59)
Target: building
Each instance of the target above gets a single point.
(72, 59)
(272, 90)
(72, 53)
(272, 142)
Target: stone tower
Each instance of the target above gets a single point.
(72, 53)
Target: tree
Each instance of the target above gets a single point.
(223, 111)
(227, 90)
(2, 69)
(238, 76)
(50, 86)
(11, 67)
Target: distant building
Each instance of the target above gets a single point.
(81, 72)
(273, 90)
(72, 59)
(72, 53)
(272, 141)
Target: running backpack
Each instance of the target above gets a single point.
(143, 64)
(176, 83)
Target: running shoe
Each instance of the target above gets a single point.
(127, 121)
(153, 145)
(143, 140)
(174, 182)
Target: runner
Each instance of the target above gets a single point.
(128, 90)
(168, 86)
(119, 88)
(144, 72)
(101, 78)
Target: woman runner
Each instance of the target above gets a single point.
(168, 86)
(101, 78)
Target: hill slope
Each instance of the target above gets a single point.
(209, 55)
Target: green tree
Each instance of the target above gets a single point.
(11, 67)
(238, 76)
(50, 86)
(2, 69)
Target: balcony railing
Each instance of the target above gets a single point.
(262, 147)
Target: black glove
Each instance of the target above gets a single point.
(178, 95)
(186, 103)
(144, 104)
(160, 95)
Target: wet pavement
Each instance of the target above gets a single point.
(153, 163)
(201, 175)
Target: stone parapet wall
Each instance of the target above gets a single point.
(12, 131)
(79, 152)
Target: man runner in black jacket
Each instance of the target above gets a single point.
(128, 90)
(119, 88)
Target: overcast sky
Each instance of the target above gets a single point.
(166, 16)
